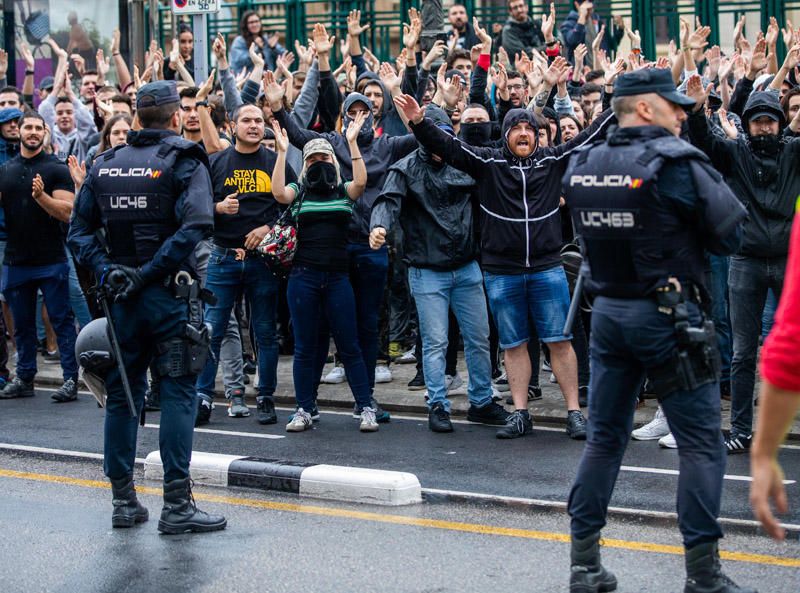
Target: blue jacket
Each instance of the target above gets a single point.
(573, 34)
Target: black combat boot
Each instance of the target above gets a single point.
(127, 509)
(180, 513)
(704, 573)
(587, 574)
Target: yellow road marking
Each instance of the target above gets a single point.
(410, 521)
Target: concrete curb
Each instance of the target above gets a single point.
(332, 482)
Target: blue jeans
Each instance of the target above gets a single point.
(312, 295)
(542, 295)
(750, 279)
(462, 290)
(20, 286)
(368, 272)
(628, 337)
(227, 278)
(152, 317)
(720, 312)
(77, 299)
(768, 316)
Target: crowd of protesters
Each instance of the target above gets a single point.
(412, 239)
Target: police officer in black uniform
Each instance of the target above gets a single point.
(647, 206)
(137, 220)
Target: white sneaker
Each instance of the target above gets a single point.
(501, 383)
(655, 429)
(546, 365)
(668, 442)
(407, 358)
(335, 376)
(455, 384)
(368, 421)
(383, 374)
(553, 378)
(301, 420)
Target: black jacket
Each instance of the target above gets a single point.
(434, 202)
(519, 198)
(767, 185)
(525, 36)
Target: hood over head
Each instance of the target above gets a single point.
(366, 134)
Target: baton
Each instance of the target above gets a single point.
(573, 306)
(112, 334)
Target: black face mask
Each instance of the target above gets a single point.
(477, 134)
(769, 145)
(321, 176)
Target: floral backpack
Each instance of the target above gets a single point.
(280, 243)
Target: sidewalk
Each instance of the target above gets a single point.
(395, 397)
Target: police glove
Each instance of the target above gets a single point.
(124, 282)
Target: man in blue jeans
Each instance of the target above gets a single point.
(434, 203)
(244, 211)
(37, 193)
(519, 190)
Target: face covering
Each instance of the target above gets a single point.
(321, 177)
(769, 145)
(477, 133)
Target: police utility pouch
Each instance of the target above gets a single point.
(186, 355)
(696, 361)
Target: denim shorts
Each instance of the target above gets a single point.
(542, 297)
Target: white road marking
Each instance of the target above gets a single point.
(674, 472)
(60, 452)
(234, 433)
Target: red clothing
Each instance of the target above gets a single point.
(780, 357)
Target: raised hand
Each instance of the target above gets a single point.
(103, 64)
(281, 137)
(3, 63)
(116, 37)
(759, 60)
(354, 127)
(80, 63)
(614, 70)
(354, 26)
(695, 90)
(205, 89)
(255, 56)
(410, 108)
(788, 34)
(713, 57)
(436, 51)
(411, 32)
(389, 77)
(322, 43)
(554, 72)
(220, 51)
(27, 56)
(727, 127)
(273, 91)
(77, 170)
(598, 39)
(60, 53)
(772, 32)
(549, 22)
(273, 39)
(792, 57)
(635, 38)
(499, 76)
(481, 33)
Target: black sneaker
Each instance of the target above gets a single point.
(265, 410)
(518, 424)
(534, 393)
(17, 388)
(439, 419)
(52, 357)
(583, 396)
(249, 367)
(203, 411)
(576, 425)
(418, 382)
(492, 414)
(725, 390)
(738, 443)
(68, 392)
(381, 415)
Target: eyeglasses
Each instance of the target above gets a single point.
(516, 87)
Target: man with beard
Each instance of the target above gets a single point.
(37, 192)
(761, 168)
(462, 28)
(434, 202)
(9, 133)
(190, 118)
(521, 33)
(521, 241)
(244, 211)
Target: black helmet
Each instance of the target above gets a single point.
(94, 354)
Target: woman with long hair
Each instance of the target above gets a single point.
(319, 283)
(251, 32)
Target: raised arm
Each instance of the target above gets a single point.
(356, 188)
(274, 95)
(283, 194)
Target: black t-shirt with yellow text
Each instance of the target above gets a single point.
(251, 176)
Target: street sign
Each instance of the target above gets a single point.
(194, 6)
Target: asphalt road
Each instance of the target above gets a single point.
(471, 459)
(55, 537)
